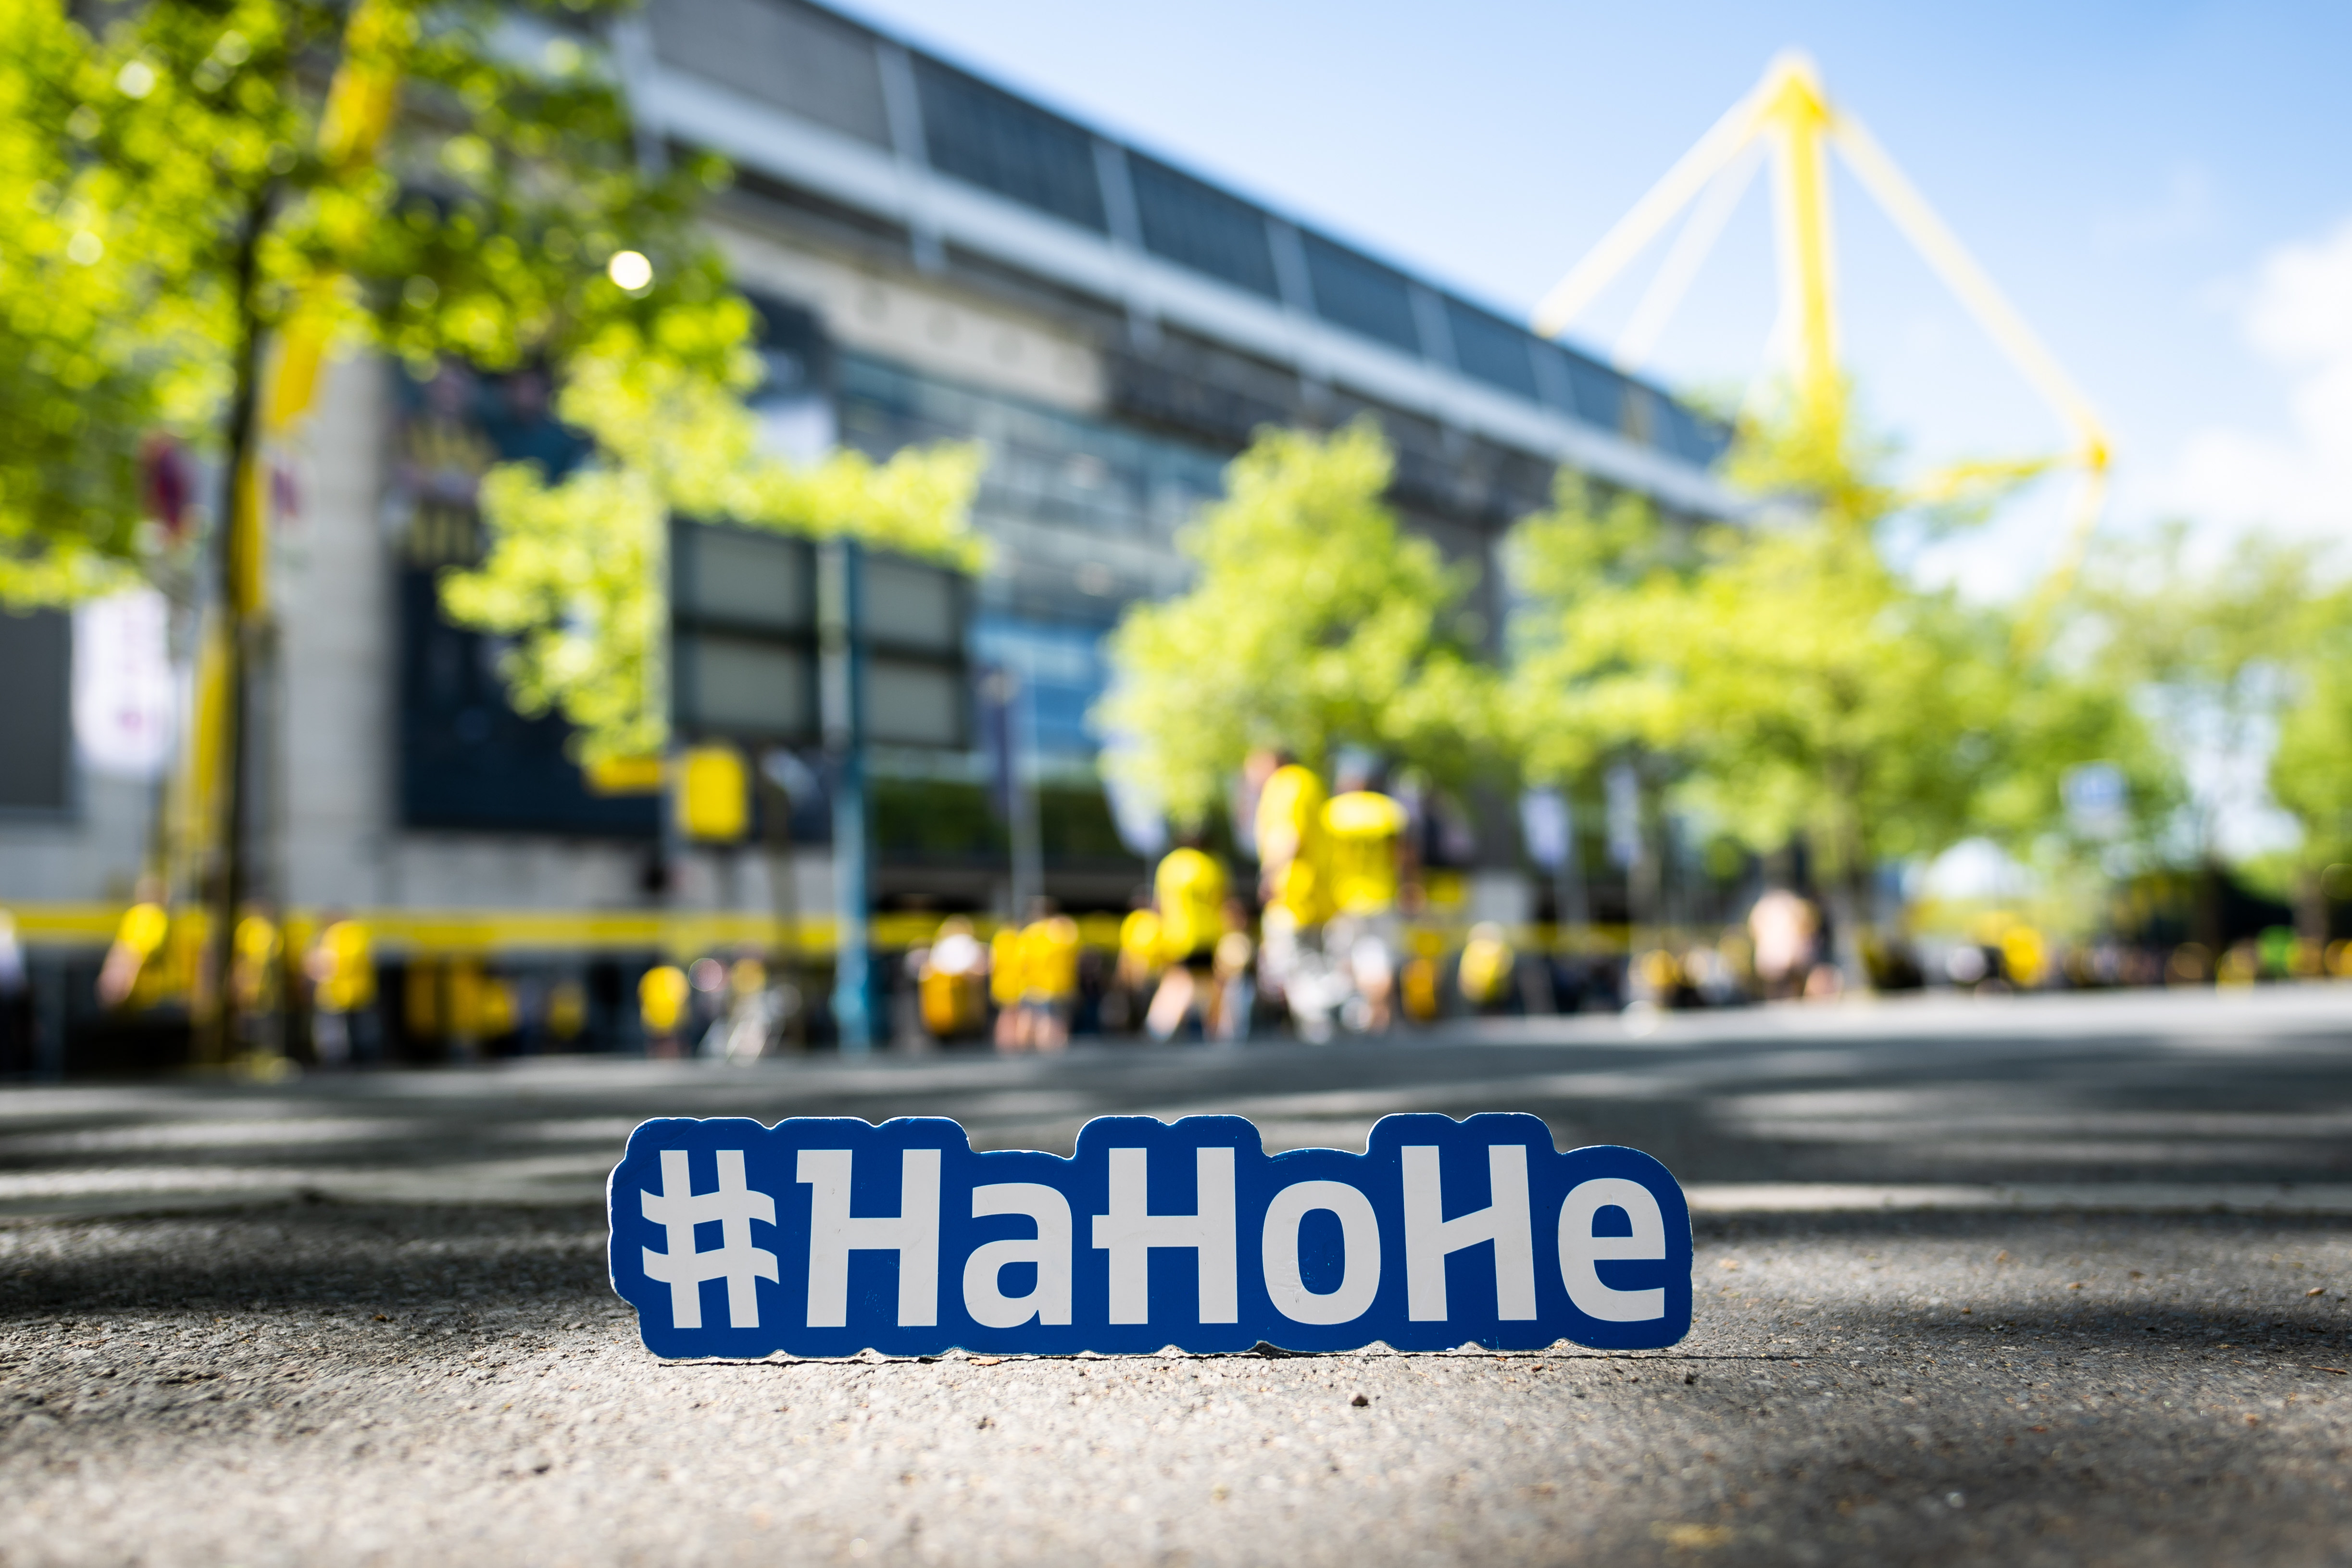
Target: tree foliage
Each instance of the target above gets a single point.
(575, 569)
(2211, 648)
(1316, 622)
(178, 188)
(2311, 770)
(183, 188)
(1789, 677)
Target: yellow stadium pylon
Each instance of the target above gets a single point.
(1792, 117)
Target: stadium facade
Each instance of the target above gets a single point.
(935, 257)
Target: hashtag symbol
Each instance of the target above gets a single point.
(678, 1208)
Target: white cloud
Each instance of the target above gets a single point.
(2298, 315)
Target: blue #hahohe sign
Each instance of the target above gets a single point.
(824, 1236)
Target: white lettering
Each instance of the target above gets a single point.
(1360, 1236)
(1429, 1237)
(1580, 1248)
(678, 1210)
(913, 1233)
(1130, 1232)
(1049, 1250)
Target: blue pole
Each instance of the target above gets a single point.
(846, 737)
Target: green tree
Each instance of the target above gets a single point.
(1790, 680)
(1316, 622)
(2210, 651)
(196, 191)
(184, 189)
(2308, 778)
(574, 570)
(2311, 768)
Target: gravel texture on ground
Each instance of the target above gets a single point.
(331, 1383)
(1966, 1295)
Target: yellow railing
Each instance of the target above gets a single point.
(685, 933)
(518, 932)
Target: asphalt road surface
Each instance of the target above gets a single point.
(2051, 1280)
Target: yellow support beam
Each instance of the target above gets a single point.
(1790, 112)
(1969, 282)
(1798, 116)
(1683, 259)
(1633, 232)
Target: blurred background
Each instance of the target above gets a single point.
(742, 527)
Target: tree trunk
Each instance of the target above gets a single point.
(1845, 950)
(230, 876)
(1853, 925)
(2205, 919)
(1643, 881)
(2311, 905)
(1847, 885)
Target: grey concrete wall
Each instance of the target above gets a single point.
(93, 854)
(335, 700)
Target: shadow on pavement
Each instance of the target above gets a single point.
(1923, 1387)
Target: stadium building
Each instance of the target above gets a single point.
(935, 257)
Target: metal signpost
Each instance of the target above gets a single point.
(776, 643)
(841, 688)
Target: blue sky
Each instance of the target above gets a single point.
(2155, 185)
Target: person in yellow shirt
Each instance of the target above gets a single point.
(1006, 986)
(1138, 965)
(661, 1003)
(1049, 978)
(1363, 833)
(1486, 967)
(948, 985)
(1363, 850)
(1289, 826)
(342, 967)
(1288, 823)
(1189, 895)
(137, 939)
(255, 977)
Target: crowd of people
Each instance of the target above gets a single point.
(1327, 937)
(1318, 938)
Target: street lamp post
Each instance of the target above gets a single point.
(842, 680)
